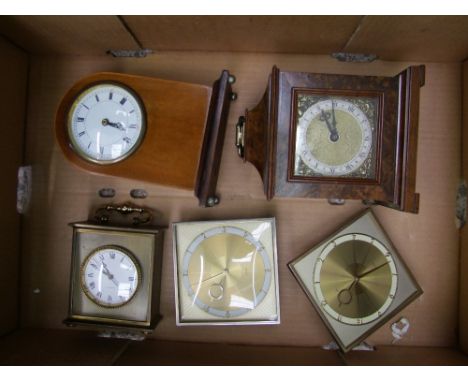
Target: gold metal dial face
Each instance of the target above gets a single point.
(226, 272)
(355, 279)
(335, 136)
(110, 276)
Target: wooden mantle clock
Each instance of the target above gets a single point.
(336, 136)
(165, 132)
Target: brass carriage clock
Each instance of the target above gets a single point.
(116, 271)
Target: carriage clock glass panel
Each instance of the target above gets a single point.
(336, 135)
(106, 123)
(226, 272)
(110, 276)
(356, 280)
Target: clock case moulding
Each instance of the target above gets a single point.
(135, 239)
(408, 289)
(185, 128)
(264, 137)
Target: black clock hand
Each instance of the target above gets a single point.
(117, 125)
(108, 274)
(333, 132)
(333, 118)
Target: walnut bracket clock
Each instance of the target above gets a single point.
(115, 274)
(356, 280)
(165, 132)
(336, 137)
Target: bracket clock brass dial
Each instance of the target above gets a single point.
(356, 280)
(226, 272)
(165, 132)
(336, 137)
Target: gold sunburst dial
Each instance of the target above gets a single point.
(227, 272)
(355, 279)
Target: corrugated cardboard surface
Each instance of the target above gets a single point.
(13, 79)
(428, 242)
(73, 35)
(430, 38)
(463, 296)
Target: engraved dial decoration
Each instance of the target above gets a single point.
(106, 123)
(110, 276)
(335, 136)
(355, 279)
(226, 272)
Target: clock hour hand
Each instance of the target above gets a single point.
(117, 125)
(333, 132)
(344, 295)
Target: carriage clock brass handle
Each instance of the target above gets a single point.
(240, 136)
(103, 214)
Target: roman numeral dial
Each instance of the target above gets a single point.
(110, 276)
(106, 123)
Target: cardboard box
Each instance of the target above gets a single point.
(43, 56)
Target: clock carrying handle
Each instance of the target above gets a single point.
(210, 158)
(140, 215)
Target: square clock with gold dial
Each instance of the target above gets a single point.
(226, 272)
(356, 280)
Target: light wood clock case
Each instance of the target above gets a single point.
(115, 274)
(165, 132)
(356, 280)
(336, 137)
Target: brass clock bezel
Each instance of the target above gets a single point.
(74, 103)
(379, 96)
(85, 262)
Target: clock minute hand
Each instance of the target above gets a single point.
(209, 278)
(333, 117)
(109, 275)
(371, 270)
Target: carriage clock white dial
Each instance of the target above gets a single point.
(110, 276)
(106, 123)
(334, 137)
